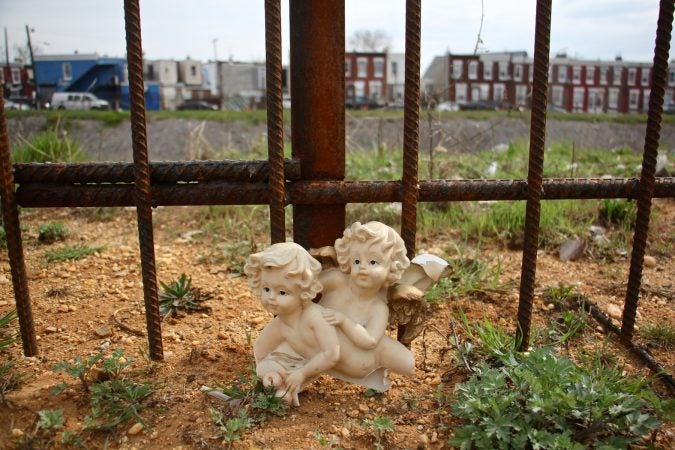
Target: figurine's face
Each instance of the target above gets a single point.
(369, 265)
(279, 294)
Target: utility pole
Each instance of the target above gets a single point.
(6, 59)
(35, 77)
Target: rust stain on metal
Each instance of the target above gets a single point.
(535, 170)
(17, 264)
(142, 195)
(646, 187)
(317, 30)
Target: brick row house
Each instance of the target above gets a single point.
(17, 82)
(366, 78)
(575, 85)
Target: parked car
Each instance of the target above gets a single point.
(10, 104)
(77, 100)
(361, 103)
(447, 106)
(478, 105)
(197, 104)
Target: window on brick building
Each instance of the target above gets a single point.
(518, 72)
(348, 67)
(613, 101)
(562, 74)
(457, 68)
(631, 75)
(16, 75)
(616, 75)
(378, 64)
(473, 70)
(590, 75)
(487, 71)
(362, 67)
(645, 76)
(576, 75)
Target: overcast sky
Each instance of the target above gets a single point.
(204, 29)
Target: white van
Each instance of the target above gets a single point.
(77, 100)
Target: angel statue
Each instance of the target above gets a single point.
(344, 334)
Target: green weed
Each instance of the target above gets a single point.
(10, 378)
(49, 146)
(381, 427)
(180, 296)
(51, 419)
(71, 252)
(51, 232)
(114, 399)
(468, 277)
(232, 428)
(617, 212)
(539, 400)
(660, 334)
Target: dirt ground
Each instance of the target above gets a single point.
(76, 305)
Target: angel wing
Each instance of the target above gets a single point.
(326, 256)
(407, 306)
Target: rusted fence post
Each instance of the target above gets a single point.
(142, 194)
(317, 29)
(535, 170)
(411, 125)
(275, 121)
(646, 186)
(17, 265)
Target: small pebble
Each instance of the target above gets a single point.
(135, 429)
(650, 261)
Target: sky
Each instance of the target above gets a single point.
(224, 29)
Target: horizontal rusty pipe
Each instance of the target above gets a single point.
(329, 192)
(160, 172)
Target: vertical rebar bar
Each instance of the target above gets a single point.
(535, 170)
(275, 121)
(10, 218)
(317, 30)
(411, 124)
(646, 186)
(142, 196)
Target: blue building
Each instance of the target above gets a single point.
(102, 76)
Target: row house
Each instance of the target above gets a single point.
(178, 80)
(242, 85)
(17, 82)
(575, 85)
(366, 76)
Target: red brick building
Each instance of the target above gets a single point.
(575, 85)
(17, 82)
(365, 78)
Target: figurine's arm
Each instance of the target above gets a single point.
(365, 337)
(327, 356)
(270, 338)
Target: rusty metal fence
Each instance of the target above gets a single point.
(313, 179)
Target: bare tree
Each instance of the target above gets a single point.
(370, 41)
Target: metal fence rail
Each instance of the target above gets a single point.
(313, 180)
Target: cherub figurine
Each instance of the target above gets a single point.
(298, 343)
(370, 257)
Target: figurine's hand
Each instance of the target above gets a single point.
(333, 317)
(275, 379)
(294, 381)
